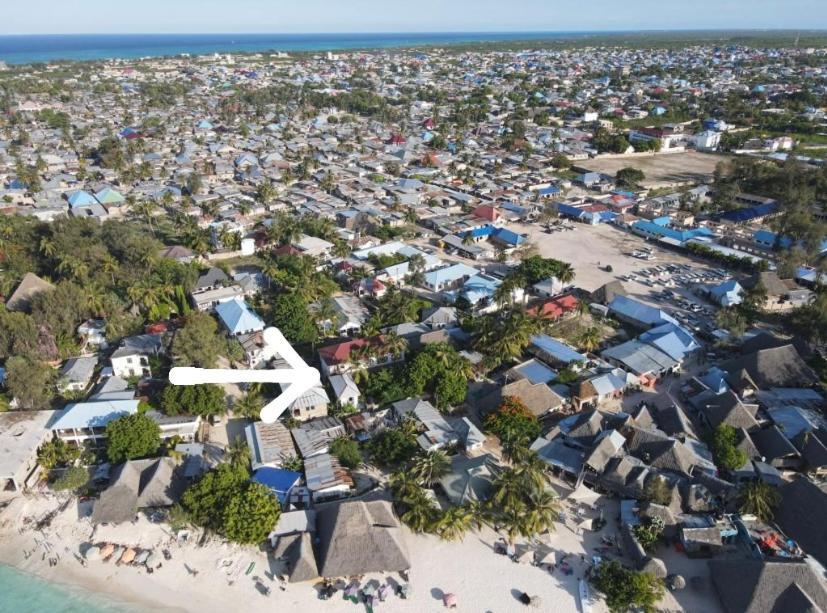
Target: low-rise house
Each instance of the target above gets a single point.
(638, 314)
(345, 391)
(314, 437)
(238, 318)
(270, 444)
(643, 360)
(538, 398)
(21, 434)
(435, 431)
(93, 333)
(206, 300)
(76, 374)
(280, 482)
(82, 422)
(351, 314)
(355, 354)
(448, 277)
(131, 359)
(326, 478)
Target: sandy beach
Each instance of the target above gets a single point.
(213, 576)
(481, 579)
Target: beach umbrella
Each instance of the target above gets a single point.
(142, 557)
(369, 590)
(107, 551)
(450, 600)
(352, 590)
(523, 555)
(536, 602)
(383, 591)
(152, 559)
(404, 590)
(92, 553)
(128, 556)
(544, 556)
(116, 554)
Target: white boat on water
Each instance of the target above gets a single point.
(585, 597)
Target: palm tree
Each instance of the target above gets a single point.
(360, 376)
(249, 405)
(146, 209)
(238, 452)
(421, 513)
(565, 272)
(759, 499)
(590, 338)
(393, 344)
(430, 467)
(404, 486)
(47, 246)
(454, 523)
(341, 249)
(541, 511)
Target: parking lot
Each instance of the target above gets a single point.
(665, 280)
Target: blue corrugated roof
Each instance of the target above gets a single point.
(639, 312)
(556, 349)
(657, 228)
(278, 480)
(237, 317)
(751, 212)
(81, 198)
(508, 236)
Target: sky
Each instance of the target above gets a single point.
(317, 16)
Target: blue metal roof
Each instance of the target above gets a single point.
(656, 227)
(237, 317)
(749, 213)
(81, 198)
(557, 349)
(278, 480)
(508, 236)
(672, 339)
(93, 414)
(639, 312)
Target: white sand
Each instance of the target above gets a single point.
(481, 579)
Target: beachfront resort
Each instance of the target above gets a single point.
(566, 306)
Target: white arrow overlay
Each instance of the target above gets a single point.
(299, 378)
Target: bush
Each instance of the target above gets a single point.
(725, 448)
(73, 478)
(393, 446)
(347, 452)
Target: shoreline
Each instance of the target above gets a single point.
(197, 46)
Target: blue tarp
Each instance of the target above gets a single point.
(278, 480)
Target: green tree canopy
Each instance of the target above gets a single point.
(725, 449)
(30, 381)
(204, 400)
(514, 424)
(131, 437)
(289, 313)
(629, 177)
(625, 589)
(198, 343)
(250, 515)
(393, 446)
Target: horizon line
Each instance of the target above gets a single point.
(406, 32)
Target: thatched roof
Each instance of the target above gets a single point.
(28, 288)
(357, 537)
(137, 484)
(298, 549)
(757, 586)
(801, 515)
(773, 367)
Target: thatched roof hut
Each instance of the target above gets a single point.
(357, 537)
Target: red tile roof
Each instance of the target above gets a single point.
(555, 308)
(487, 212)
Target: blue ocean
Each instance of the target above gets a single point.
(25, 49)
(23, 593)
